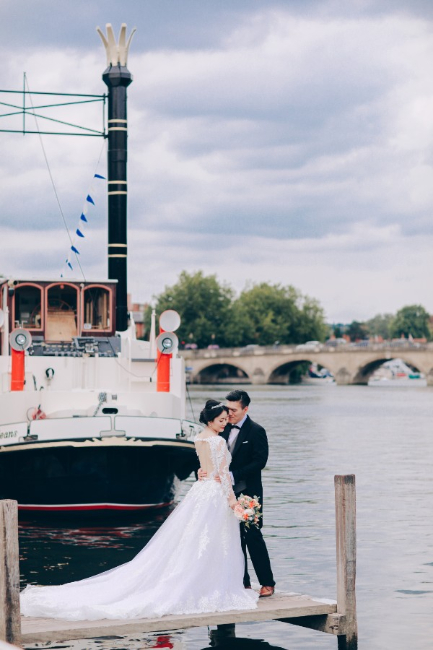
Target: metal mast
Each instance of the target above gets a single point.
(117, 78)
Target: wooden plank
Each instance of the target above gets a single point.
(345, 522)
(280, 606)
(10, 625)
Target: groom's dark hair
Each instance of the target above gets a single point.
(239, 396)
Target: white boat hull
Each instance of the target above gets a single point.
(385, 382)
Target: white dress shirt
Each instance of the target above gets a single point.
(232, 438)
(235, 432)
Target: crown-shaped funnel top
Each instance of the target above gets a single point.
(117, 53)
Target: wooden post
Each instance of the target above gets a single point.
(345, 521)
(10, 620)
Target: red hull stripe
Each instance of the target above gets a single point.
(94, 506)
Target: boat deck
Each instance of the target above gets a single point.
(279, 606)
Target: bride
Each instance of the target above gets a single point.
(193, 564)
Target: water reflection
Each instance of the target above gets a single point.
(53, 552)
(131, 642)
(225, 637)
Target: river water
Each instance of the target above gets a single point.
(382, 435)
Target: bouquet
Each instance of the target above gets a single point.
(247, 510)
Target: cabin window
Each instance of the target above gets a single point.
(28, 307)
(61, 313)
(97, 309)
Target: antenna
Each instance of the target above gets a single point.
(60, 100)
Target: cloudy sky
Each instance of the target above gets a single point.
(283, 141)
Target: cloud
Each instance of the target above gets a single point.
(295, 135)
(360, 273)
(299, 123)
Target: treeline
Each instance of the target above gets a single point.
(262, 314)
(265, 314)
(412, 321)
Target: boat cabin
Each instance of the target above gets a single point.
(59, 311)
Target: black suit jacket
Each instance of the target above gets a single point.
(249, 457)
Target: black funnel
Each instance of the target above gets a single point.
(117, 77)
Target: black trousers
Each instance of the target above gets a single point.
(252, 539)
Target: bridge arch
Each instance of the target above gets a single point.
(221, 373)
(280, 373)
(351, 365)
(365, 371)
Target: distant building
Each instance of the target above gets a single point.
(137, 309)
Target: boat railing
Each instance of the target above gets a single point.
(99, 427)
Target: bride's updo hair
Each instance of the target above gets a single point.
(212, 410)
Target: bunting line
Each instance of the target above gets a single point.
(80, 232)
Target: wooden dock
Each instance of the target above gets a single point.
(280, 606)
(337, 618)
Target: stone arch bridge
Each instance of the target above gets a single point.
(350, 364)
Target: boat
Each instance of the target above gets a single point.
(91, 418)
(317, 377)
(396, 373)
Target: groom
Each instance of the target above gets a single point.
(248, 445)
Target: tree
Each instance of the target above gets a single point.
(357, 331)
(380, 325)
(204, 307)
(265, 313)
(337, 332)
(312, 325)
(412, 320)
(262, 314)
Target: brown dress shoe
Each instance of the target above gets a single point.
(265, 592)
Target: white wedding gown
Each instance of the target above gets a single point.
(193, 564)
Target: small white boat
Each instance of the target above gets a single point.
(397, 373)
(412, 382)
(316, 377)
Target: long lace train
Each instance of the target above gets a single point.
(193, 564)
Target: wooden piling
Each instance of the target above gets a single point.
(10, 620)
(345, 523)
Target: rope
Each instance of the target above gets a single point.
(51, 176)
(190, 402)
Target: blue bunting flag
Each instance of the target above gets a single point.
(83, 220)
